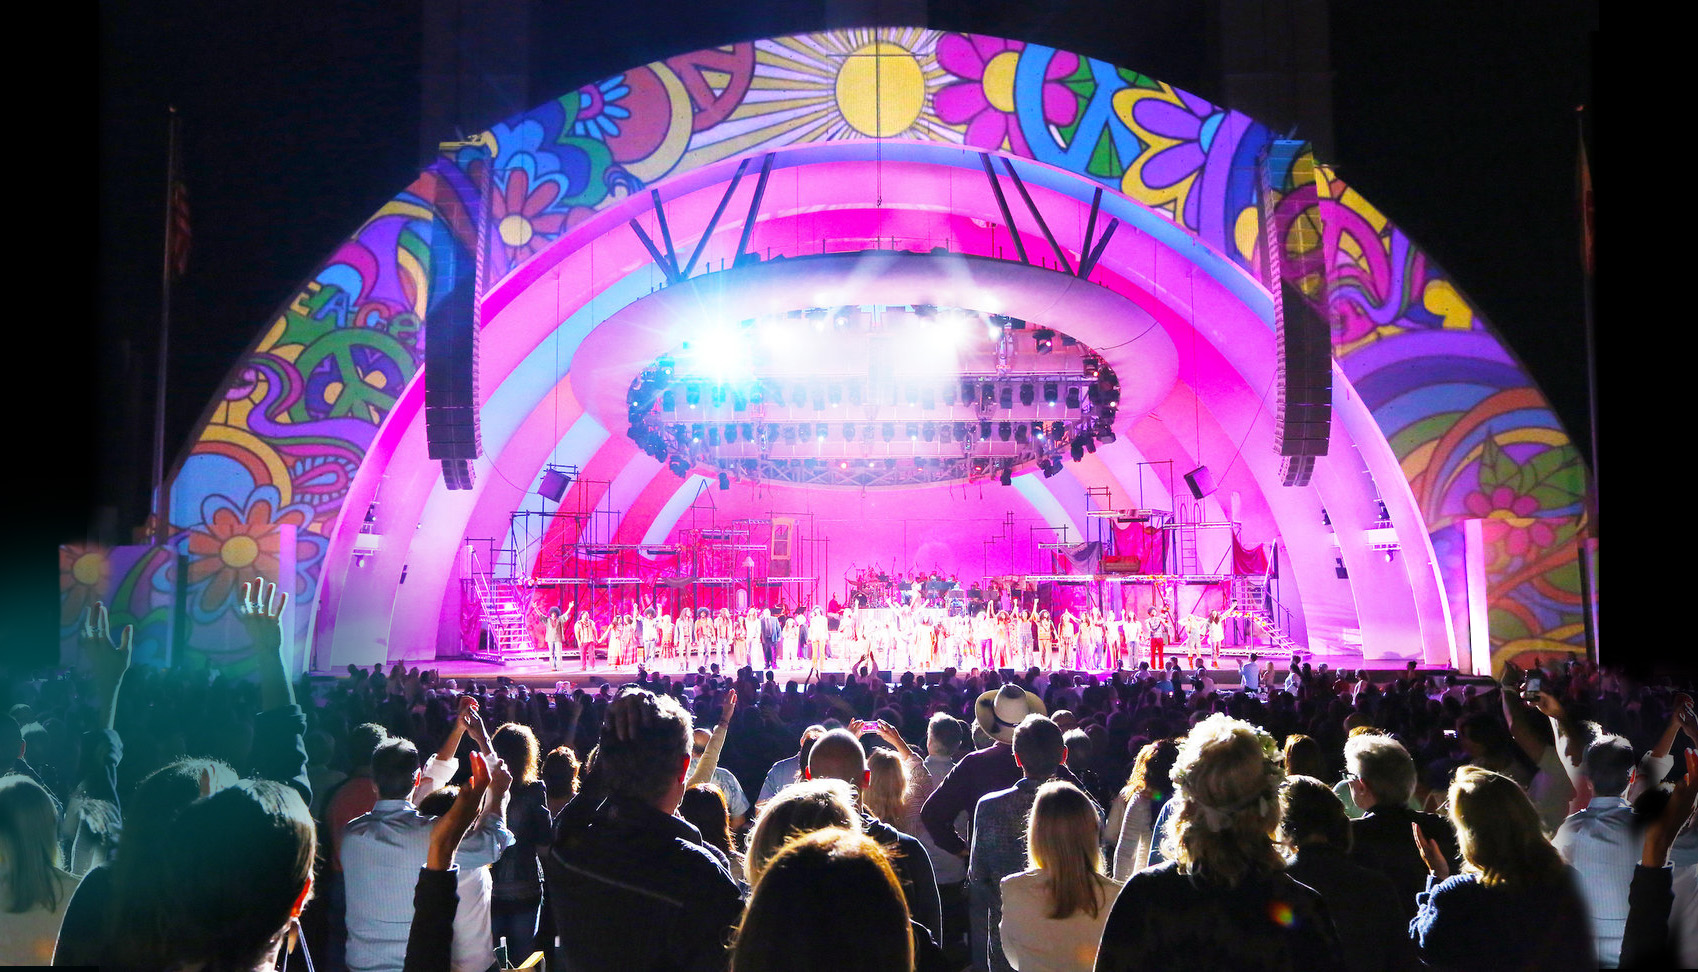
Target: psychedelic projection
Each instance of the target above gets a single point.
(261, 487)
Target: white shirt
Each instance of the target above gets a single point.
(382, 852)
(783, 773)
(1599, 842)
(1034, 942)
(1252, 675)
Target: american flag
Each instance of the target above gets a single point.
(180, 232)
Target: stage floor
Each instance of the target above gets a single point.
(535, 674)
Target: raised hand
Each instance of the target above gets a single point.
(728, 708)
(500, 778)
(109, 660)
(260, 611)
(629, 714)
(1661, 831)
(451, 827)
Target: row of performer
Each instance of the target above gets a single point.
(907, 637)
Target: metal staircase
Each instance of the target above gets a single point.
(504, 607)
(1250, 600)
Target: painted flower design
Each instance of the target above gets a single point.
(1521, 532)
(984, 99)
(1180, 127)
(599, 111)
(521, 214)
(83, 576)
(233, 545)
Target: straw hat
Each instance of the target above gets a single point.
(1000, 710)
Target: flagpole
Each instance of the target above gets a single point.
(161, 497)
(1589, 538)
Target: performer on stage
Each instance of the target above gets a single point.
(1217, 635)
(704, 633)
(684, 635)
(556, 635)
(1194, 626)
(722, 627)
(1158, 632)
(1046, 640)
(1067, 637)
(584, 634)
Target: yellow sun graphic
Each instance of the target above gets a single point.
(838, 84)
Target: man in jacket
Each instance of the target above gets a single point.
(632, 885)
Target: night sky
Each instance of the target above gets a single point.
(1456, 118)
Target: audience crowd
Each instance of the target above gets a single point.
(384, 820)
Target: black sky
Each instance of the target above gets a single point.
(1456, 118)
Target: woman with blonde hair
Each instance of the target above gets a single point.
(1130, 828)
(796, 920)
(1053, 914)
(888, 786)
(1222, 870)
(1515, 905)
(799, 808)
(34, 886)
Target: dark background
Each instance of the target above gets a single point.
(1456, 118)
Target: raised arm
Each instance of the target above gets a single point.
(431, 936)
(279, 752)
(710, 757)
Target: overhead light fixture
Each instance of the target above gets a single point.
(1073, 397)
(1043, 340)
(1051, 389)
(1026, 393)
(1007, 474)
(1004, 430)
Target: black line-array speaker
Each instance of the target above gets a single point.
(1200, 481)
(451, 348)
(1303, 423)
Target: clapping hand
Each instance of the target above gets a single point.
(108, 659)
(451, 827)
(630, 714)
(1431, 854)
(260, 611)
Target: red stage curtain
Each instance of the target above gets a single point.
(1146, 546)
(1248, 560)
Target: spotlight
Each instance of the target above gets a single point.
(913, 394)
(1004, 430)
(749, 431)
(1026, 393)
(984, 431)
(1050, 467)
(1105, 434)
(799, 395)
(987, 391)
(1073, 397)
(1020, 433)
(1091, 444)
(1006, 398)
(949, 394)
(929, 430)
(1044, 340)
(724, 481)
(944, 433)
(1058, 430)
(730, 433)
(928, 398)
(1050, 390)
(665, 364)
(1340, 570)
(693, 394)
(848, 431)
(757, 394)
(713, 435)
(962, 431)
(718, 397)
(679, 467)
(739, 401)
(867, 431)
(819, 399)
(789, 435)
(1007, 477)
(913, 430)
(889, 431)
(1389, 554)
(696, 432)
(854, 394)
(669, 401)
(836, 395)
(819, 430)
(969, 391)
(1078, 449)
(679, 431)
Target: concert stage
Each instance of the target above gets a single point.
(823, 315)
